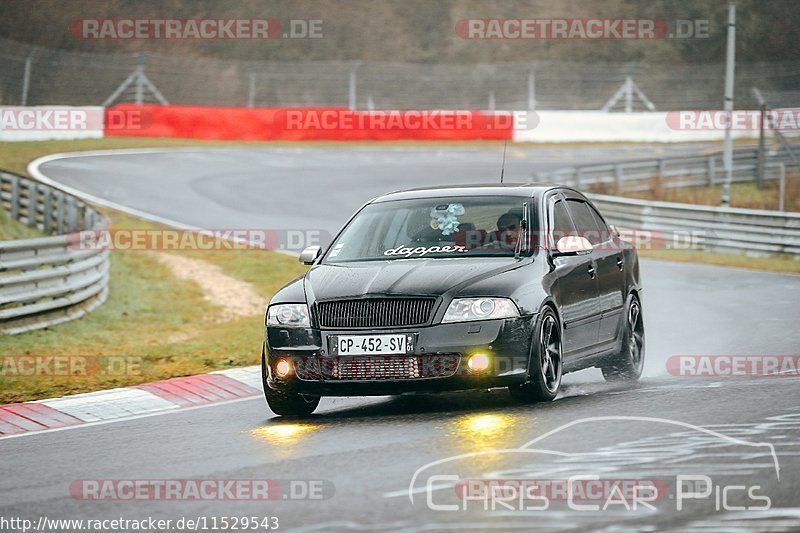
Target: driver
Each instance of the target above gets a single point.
(508, 228)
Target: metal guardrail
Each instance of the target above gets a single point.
(755, 232)
(668, 172)
(45, 281)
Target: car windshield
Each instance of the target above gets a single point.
(432, 228)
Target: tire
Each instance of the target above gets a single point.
(628, 364)
(546, 362)
(291, 404)
(286, 403)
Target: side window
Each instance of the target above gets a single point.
(585, 221)
(562, 225)
(605, 231)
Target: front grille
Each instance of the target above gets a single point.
(375, 312)
(367, 368)
(376, 368)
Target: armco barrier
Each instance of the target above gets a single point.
(671, 172)
(752, 231)
(45, 281)
(307, 124)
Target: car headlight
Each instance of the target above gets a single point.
(467, 309)
(288, 315)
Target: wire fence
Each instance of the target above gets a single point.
(39, 76)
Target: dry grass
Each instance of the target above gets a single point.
(11, 230)
(745, 195)
(784, 264)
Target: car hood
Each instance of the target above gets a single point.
(400, 276)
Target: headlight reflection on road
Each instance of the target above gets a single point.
(478, 432)
(283, 434)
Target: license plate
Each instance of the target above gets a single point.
(372, 344)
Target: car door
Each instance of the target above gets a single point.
(576, 289)
(609, 261)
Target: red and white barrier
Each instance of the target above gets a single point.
(307, 124)
(340, 124)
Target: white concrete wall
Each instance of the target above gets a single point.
(42, 123)
(599, 126)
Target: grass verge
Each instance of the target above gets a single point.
(745, 195)
(783, 264)
(11, 230)
(127, 340)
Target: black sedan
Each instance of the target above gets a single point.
(457, 288)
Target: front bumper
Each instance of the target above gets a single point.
(438, 361)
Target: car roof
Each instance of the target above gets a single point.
(525, 190)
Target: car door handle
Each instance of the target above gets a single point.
(591, 271)
(620, 263)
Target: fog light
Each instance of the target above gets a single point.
(283, 368)
(478, 362)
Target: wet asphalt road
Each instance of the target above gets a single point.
(368, 450)
(305, 188)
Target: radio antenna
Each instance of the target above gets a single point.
(503, 166)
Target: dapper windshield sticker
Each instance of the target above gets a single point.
(444, 217)
(407, 251)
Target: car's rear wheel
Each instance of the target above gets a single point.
(286, 403)
(628, 364)
(545, 367)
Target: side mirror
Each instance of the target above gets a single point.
(310, 254)
(573, 245)
(614, 229)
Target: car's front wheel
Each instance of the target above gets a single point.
(286, 403)
(290, 403)
(545, 367)
(628, 364)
